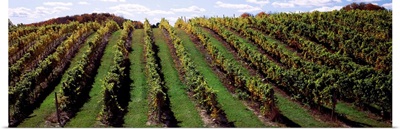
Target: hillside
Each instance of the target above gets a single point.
(313, 69)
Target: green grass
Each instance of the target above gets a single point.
(183, 108)
(297, 114)
(281, 47)
(87, 116)
(350, 111)
(235, 110)
(38, 117)
(221, 48)
(353, 114)
(288, 108)
(138, 107)
(241, 39)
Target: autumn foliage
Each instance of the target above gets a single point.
(245, 15)
(362, 6)
(261, 14)
(87, 18)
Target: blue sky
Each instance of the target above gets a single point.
(29, 11)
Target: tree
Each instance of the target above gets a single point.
(362, 6)
(81, 18)
(245, 15)
(138, 24)
(261, 14)
(10, 24)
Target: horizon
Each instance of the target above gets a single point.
(27, 11)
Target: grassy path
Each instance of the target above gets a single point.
(297, 113)
(351, 113)
(138, 107)
(87, 116)
(291, 110)
(38, 117)
(235, 110)
(183, 108)
(358, 117)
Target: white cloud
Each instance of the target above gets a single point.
(298, 11)
(191, 9)
(155, 20)
(295, 12)
(113, 0)
(368, 1)
(37, 12)
(259, 2)
(155, 12)
(43, 11)
(83, 3)
(305, 3)
(193, 16)
(60, 8)
(19, 12)
(240, 7)
(387, 5)
(98, 10)
(232, 6)
(138, 9)
(171, 20)
(249, 10)
(325, 8)
(122, 13)
(283, 5)
(57, 3)
(131, 8)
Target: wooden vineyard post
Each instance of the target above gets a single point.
(159, 107)
(58, 112)
(9, 112)
(334, 102)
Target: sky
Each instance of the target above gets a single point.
(30, 11)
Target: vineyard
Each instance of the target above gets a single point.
(315, 69)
